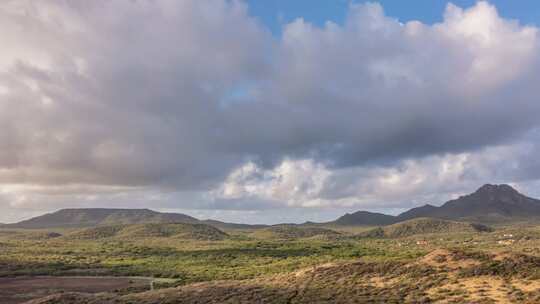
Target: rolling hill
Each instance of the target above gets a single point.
(423, 226)
(175, 230)
(150, 230)
(294, 231)
(95, 233)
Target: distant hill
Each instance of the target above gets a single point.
(151, 230)
(224, 225)
(93, 217)
(423, 211)
(423, 226)
(293, 232)
(490, 203)
(364, 218)
(74, 218)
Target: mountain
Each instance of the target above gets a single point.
(423, 226)
(423, 211)
(72, 218)
(488, 203)
(364, 218)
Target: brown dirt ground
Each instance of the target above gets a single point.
(475, 289)
(21, 289)
(441, 258)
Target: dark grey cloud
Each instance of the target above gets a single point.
(133, 95)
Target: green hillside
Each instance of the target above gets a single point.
(176, 230)
(95, 233)
(151, 230)
(293, 232)
(423, 226)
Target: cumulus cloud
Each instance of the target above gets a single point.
(410, 182)
(195, 105)
(376, 88)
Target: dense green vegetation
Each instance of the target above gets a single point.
(295, 232)
(423, 226)
(199, 253)
(181, 254)
(150, 230)
(109, 250)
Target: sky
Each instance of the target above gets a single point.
(265, 111)
(274, 14)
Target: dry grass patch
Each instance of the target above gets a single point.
(527, 286)
(443, 258)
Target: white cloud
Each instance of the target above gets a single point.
(501, 49)
(411, 182)
(296, 183)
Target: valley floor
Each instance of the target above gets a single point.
(442, 276)
(502, 266)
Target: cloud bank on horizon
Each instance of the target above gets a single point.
(195, 105)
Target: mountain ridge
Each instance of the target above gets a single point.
(489, 203)
(498, 202)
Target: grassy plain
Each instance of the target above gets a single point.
(489, 267)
